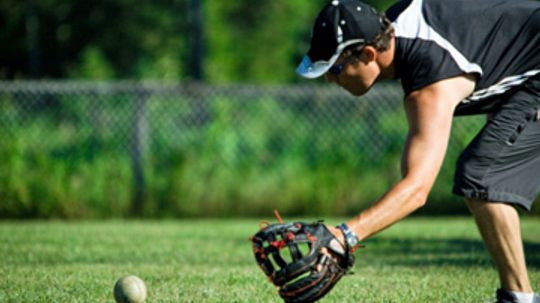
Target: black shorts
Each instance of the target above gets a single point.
(502, 163)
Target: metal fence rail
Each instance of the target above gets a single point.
(228, 128)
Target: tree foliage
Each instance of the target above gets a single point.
(243, 40)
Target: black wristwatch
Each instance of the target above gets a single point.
(350, 236)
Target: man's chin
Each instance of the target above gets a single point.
(358, 92)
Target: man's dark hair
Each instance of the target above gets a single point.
(381, 42)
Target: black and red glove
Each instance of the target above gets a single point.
(304, 260)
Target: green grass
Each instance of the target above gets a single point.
(418, 260)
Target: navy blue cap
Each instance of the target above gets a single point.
(339, 24)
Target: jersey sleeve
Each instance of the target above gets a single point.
(425, 64)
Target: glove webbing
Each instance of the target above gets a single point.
(291, 235)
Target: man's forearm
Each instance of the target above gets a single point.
(429, 113)
(400, 201)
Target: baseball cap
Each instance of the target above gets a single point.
(339, 24)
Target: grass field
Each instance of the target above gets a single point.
(418, 260)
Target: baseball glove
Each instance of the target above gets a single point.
(303, 260)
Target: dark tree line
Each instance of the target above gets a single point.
(176, 40)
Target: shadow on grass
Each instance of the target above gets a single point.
(436, 252)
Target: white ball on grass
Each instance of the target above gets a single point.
(129, 289)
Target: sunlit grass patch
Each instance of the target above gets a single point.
(418, 260)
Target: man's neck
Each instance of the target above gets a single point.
(386, 62)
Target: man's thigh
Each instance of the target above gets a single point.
(502, 163)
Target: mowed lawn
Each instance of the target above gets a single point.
(417, 260)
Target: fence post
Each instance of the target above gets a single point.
(137, 148)
(196, 39)
(32, 24)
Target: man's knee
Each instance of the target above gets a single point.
(474, 204)
(481, 207)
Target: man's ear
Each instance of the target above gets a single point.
(368, 54)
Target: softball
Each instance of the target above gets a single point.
(129, 289)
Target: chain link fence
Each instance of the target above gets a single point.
(79, 149)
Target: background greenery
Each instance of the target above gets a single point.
(229, 151)
(67, 155)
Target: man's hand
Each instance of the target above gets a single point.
(338, 234)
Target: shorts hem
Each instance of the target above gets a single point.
(496, 196)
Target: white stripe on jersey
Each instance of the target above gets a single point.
(501, 87)
(411, 24)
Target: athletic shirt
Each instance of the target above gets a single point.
(497, 41)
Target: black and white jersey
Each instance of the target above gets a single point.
(497, 41)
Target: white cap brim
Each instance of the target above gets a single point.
(312, 70)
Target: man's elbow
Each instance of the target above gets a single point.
(419, 199)
(419, 195)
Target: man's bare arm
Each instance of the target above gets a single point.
(429, 113)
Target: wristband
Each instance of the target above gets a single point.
(350, 236)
